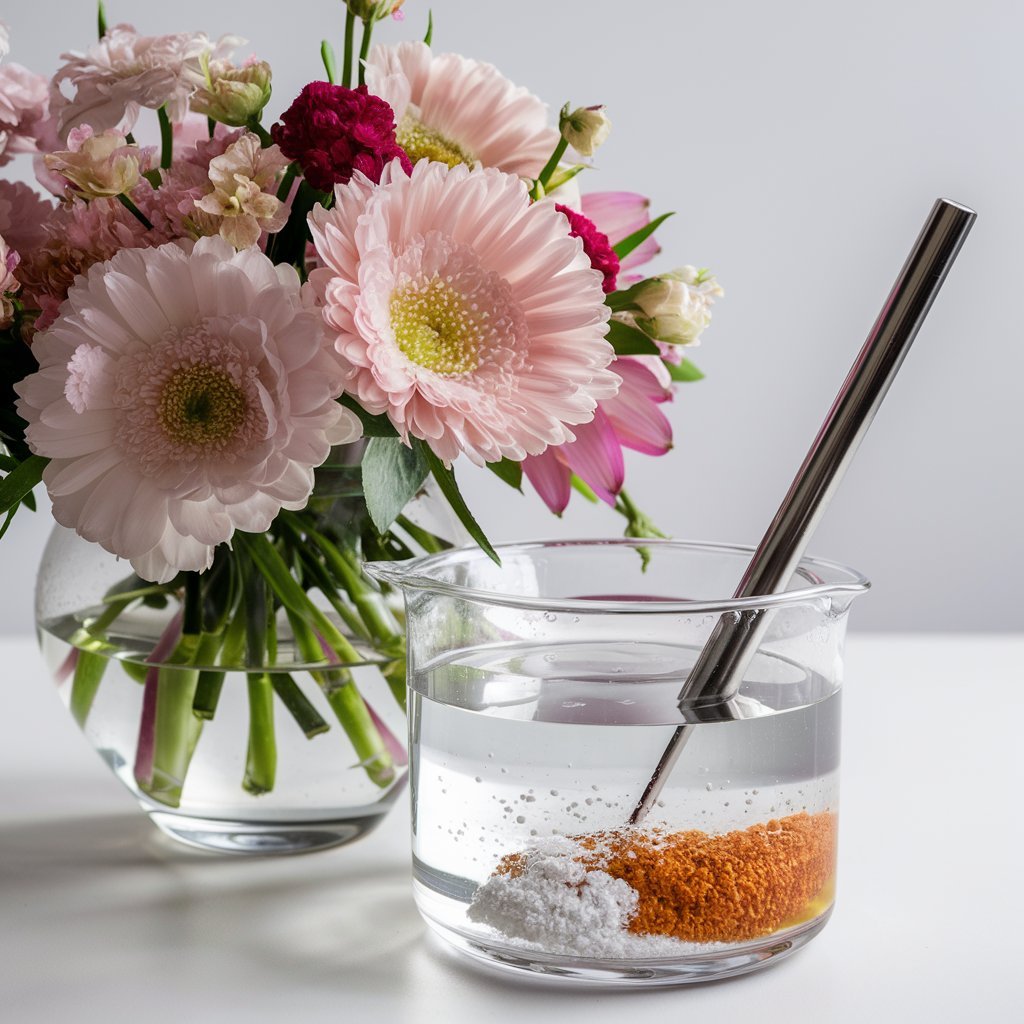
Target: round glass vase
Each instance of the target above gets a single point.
(303, 750)
(542, 694)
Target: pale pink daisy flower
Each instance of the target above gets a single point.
(631, 419)
(124, 71)
(456, 110)
(183, 393)
(466, 314)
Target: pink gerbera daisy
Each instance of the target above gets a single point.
(183, 393)
(456, 110)
(466, 314)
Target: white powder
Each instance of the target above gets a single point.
(558, 906)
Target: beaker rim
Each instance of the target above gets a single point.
(824, 578)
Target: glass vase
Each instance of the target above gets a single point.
(301, 750)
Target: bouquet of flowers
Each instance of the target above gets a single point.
(198, 337)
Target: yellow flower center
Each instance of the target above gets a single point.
(201, 406)
(436, 329)
(419, 141)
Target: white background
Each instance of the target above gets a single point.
(802, 144)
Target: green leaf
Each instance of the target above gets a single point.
(625, 298)
(630, 341)
(392, 474)
(509, 471)
(330, 61)
(20, 481)
(373, 426)
(101, 19)
(630, 242)
(430, 27)
(685, 371)
(450, 489)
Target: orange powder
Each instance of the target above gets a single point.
(714, 888)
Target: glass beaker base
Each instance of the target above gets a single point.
(711, 966)
(268, 838)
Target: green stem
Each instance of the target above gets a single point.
(166, 138)
(364, 49)
(350, 29)
(549, 168)
(348, 706)
(257, 129)
(135, 211)
(176, 729)
(89, 669)
(298, 704)
(286, 182)
(261, 758)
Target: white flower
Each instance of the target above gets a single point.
(675, 307)
(183, 393)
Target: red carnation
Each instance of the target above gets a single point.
(595, 245)
(333, 132)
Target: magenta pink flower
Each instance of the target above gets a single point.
(630, 419)
(334, 132)
(595, 244)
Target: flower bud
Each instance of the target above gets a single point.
(99, 166)
(676, 307)
(233, 95)
(584, 128)
(373, 10)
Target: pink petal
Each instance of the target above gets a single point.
(618, 215)
(596, 457)
(550, 479)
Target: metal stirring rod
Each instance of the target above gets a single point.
(718, 671)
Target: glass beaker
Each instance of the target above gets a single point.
(542, 693)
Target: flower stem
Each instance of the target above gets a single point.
(261, 759)
(166, 137)
(544, 177)
(89, 669)
(364, 49)
(135, 211)
(350, 28)
(298, 704)
(348, 706)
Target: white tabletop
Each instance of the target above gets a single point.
(103, 919)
